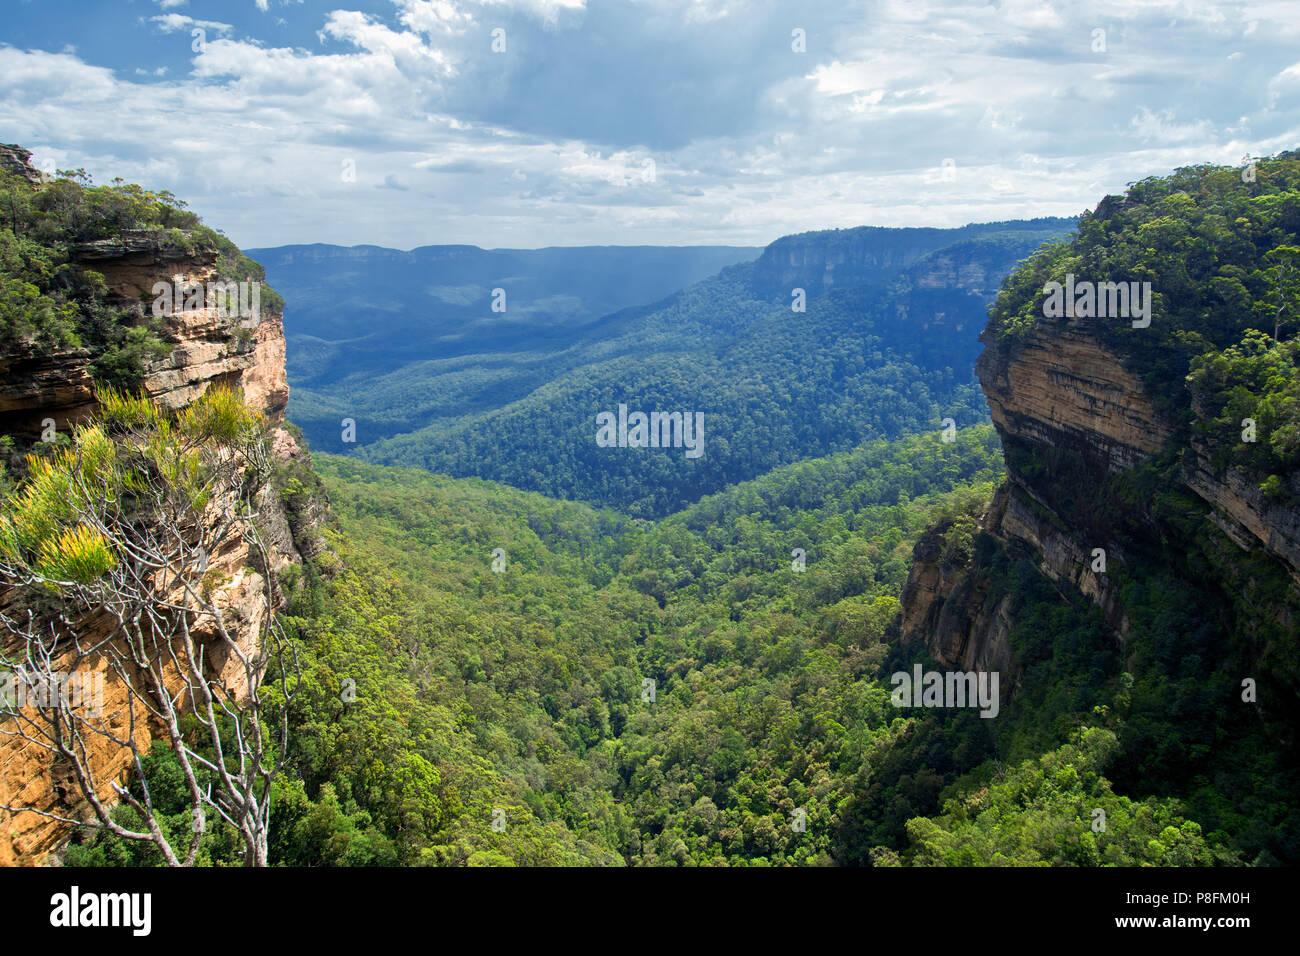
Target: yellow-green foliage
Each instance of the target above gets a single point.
(41, 505)
(78, 554)
(130, 447)
(220, 415)
(41, 519)
(127, 411)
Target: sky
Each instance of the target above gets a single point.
(529, 123)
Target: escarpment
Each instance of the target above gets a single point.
(953, 606)
(1244, 513)
(1072, 418)
(209, 344)
(1060, 393)
(1064, 389)
(823, 261)
(1115, 471)
(45, 391)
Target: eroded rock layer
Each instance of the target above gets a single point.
(1062, 396)
(211, 346)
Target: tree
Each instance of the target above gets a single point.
(1283, 299)
(104, 552)
(1059, 810)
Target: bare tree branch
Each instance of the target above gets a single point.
(172, 501)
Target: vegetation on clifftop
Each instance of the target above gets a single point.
(51, 301)
(1220, 247)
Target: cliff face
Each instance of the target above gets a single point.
(946, 606)
(1243, 513)
(841, 258)
(206, 346)
(1072, 417)
(851, 257)
(208, 349)
(16, 160)
(29, 776)
(1063, 389)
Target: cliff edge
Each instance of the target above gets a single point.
(1143, 447)
(49, 379)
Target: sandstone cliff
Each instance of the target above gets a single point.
(866, 255)
(206, 349)
(1077, 422)
(16, 160)
(209, 347)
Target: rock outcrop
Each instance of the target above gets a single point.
(211, 346)
(1062, 388)
(946, 607)
(17, 161)
(1061, 398)
(835, 259)
(945, 603)
(1244, 513)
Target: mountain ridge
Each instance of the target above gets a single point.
(701, 347)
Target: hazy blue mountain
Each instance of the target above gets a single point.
(366, 308)
(885, 347)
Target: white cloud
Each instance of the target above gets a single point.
(403, 48)
(433, 17)
(551, 144)
(1290, 77)
(546, 9)
(1162, 127)
(171, 22)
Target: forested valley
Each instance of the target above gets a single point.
(879, 342)
(524, 690)
(534, 651)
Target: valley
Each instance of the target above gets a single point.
(517, 646)
(884, 348)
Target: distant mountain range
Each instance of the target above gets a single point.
(366, 308)
(408, 346)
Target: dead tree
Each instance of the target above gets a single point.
(116, 556)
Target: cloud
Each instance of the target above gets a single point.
(1286, 83)
(171, 22)
(1162, 127)
(453, 166)
(667, 120)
